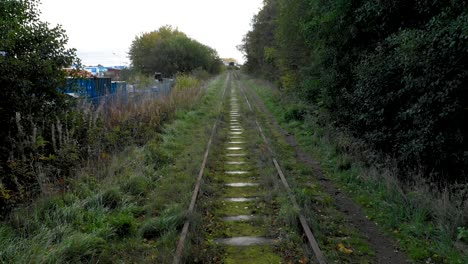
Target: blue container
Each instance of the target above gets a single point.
(92, 87)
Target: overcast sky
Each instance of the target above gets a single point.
(102, 30)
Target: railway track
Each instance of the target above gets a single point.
(245, 176)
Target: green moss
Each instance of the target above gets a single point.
(251, 254)
(227, 208)
(246, 178)
(235, 229)
(251, 191)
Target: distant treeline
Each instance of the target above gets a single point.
(393, 73)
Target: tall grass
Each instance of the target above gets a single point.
(121, 204)
(44, 155)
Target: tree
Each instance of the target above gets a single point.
(170, 51)
(32, 57)
(259, 44)
(392, 73)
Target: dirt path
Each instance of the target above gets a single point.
(385, 248)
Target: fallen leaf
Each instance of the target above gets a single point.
(343, 249)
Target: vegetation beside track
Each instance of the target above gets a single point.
(423, 223)
(337, 238)
(130, 209)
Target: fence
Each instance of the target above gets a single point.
(157, 89)
(103, 91)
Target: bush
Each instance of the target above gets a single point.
(408, 95)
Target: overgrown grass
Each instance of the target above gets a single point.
(128, 208)
(45, 155)
(424, 221)
(184, 82)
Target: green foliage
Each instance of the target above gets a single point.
(258, 44)
(33, 55)
(462, 234)
(426, 223)
(184, 81)
(170, 51)
(391, 73)
(79, 247)
(137, 185)
(296, 112)
(123, 225)
(111, 198)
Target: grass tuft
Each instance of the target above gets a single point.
(112, 198)
(171, 219)
(123, 225)
(137, 186)
(78, 247)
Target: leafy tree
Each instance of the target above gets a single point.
(31, 61)
(170, 51)
(393, 73)
(259, 45)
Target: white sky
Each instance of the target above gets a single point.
(102, 30)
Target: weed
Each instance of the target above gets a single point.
(111, 198)
(462, 234)
(155, 155)
(123, 225)
(137, 186)
(78, 247)
(171, 219)
(288, 215)
(184, 82)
